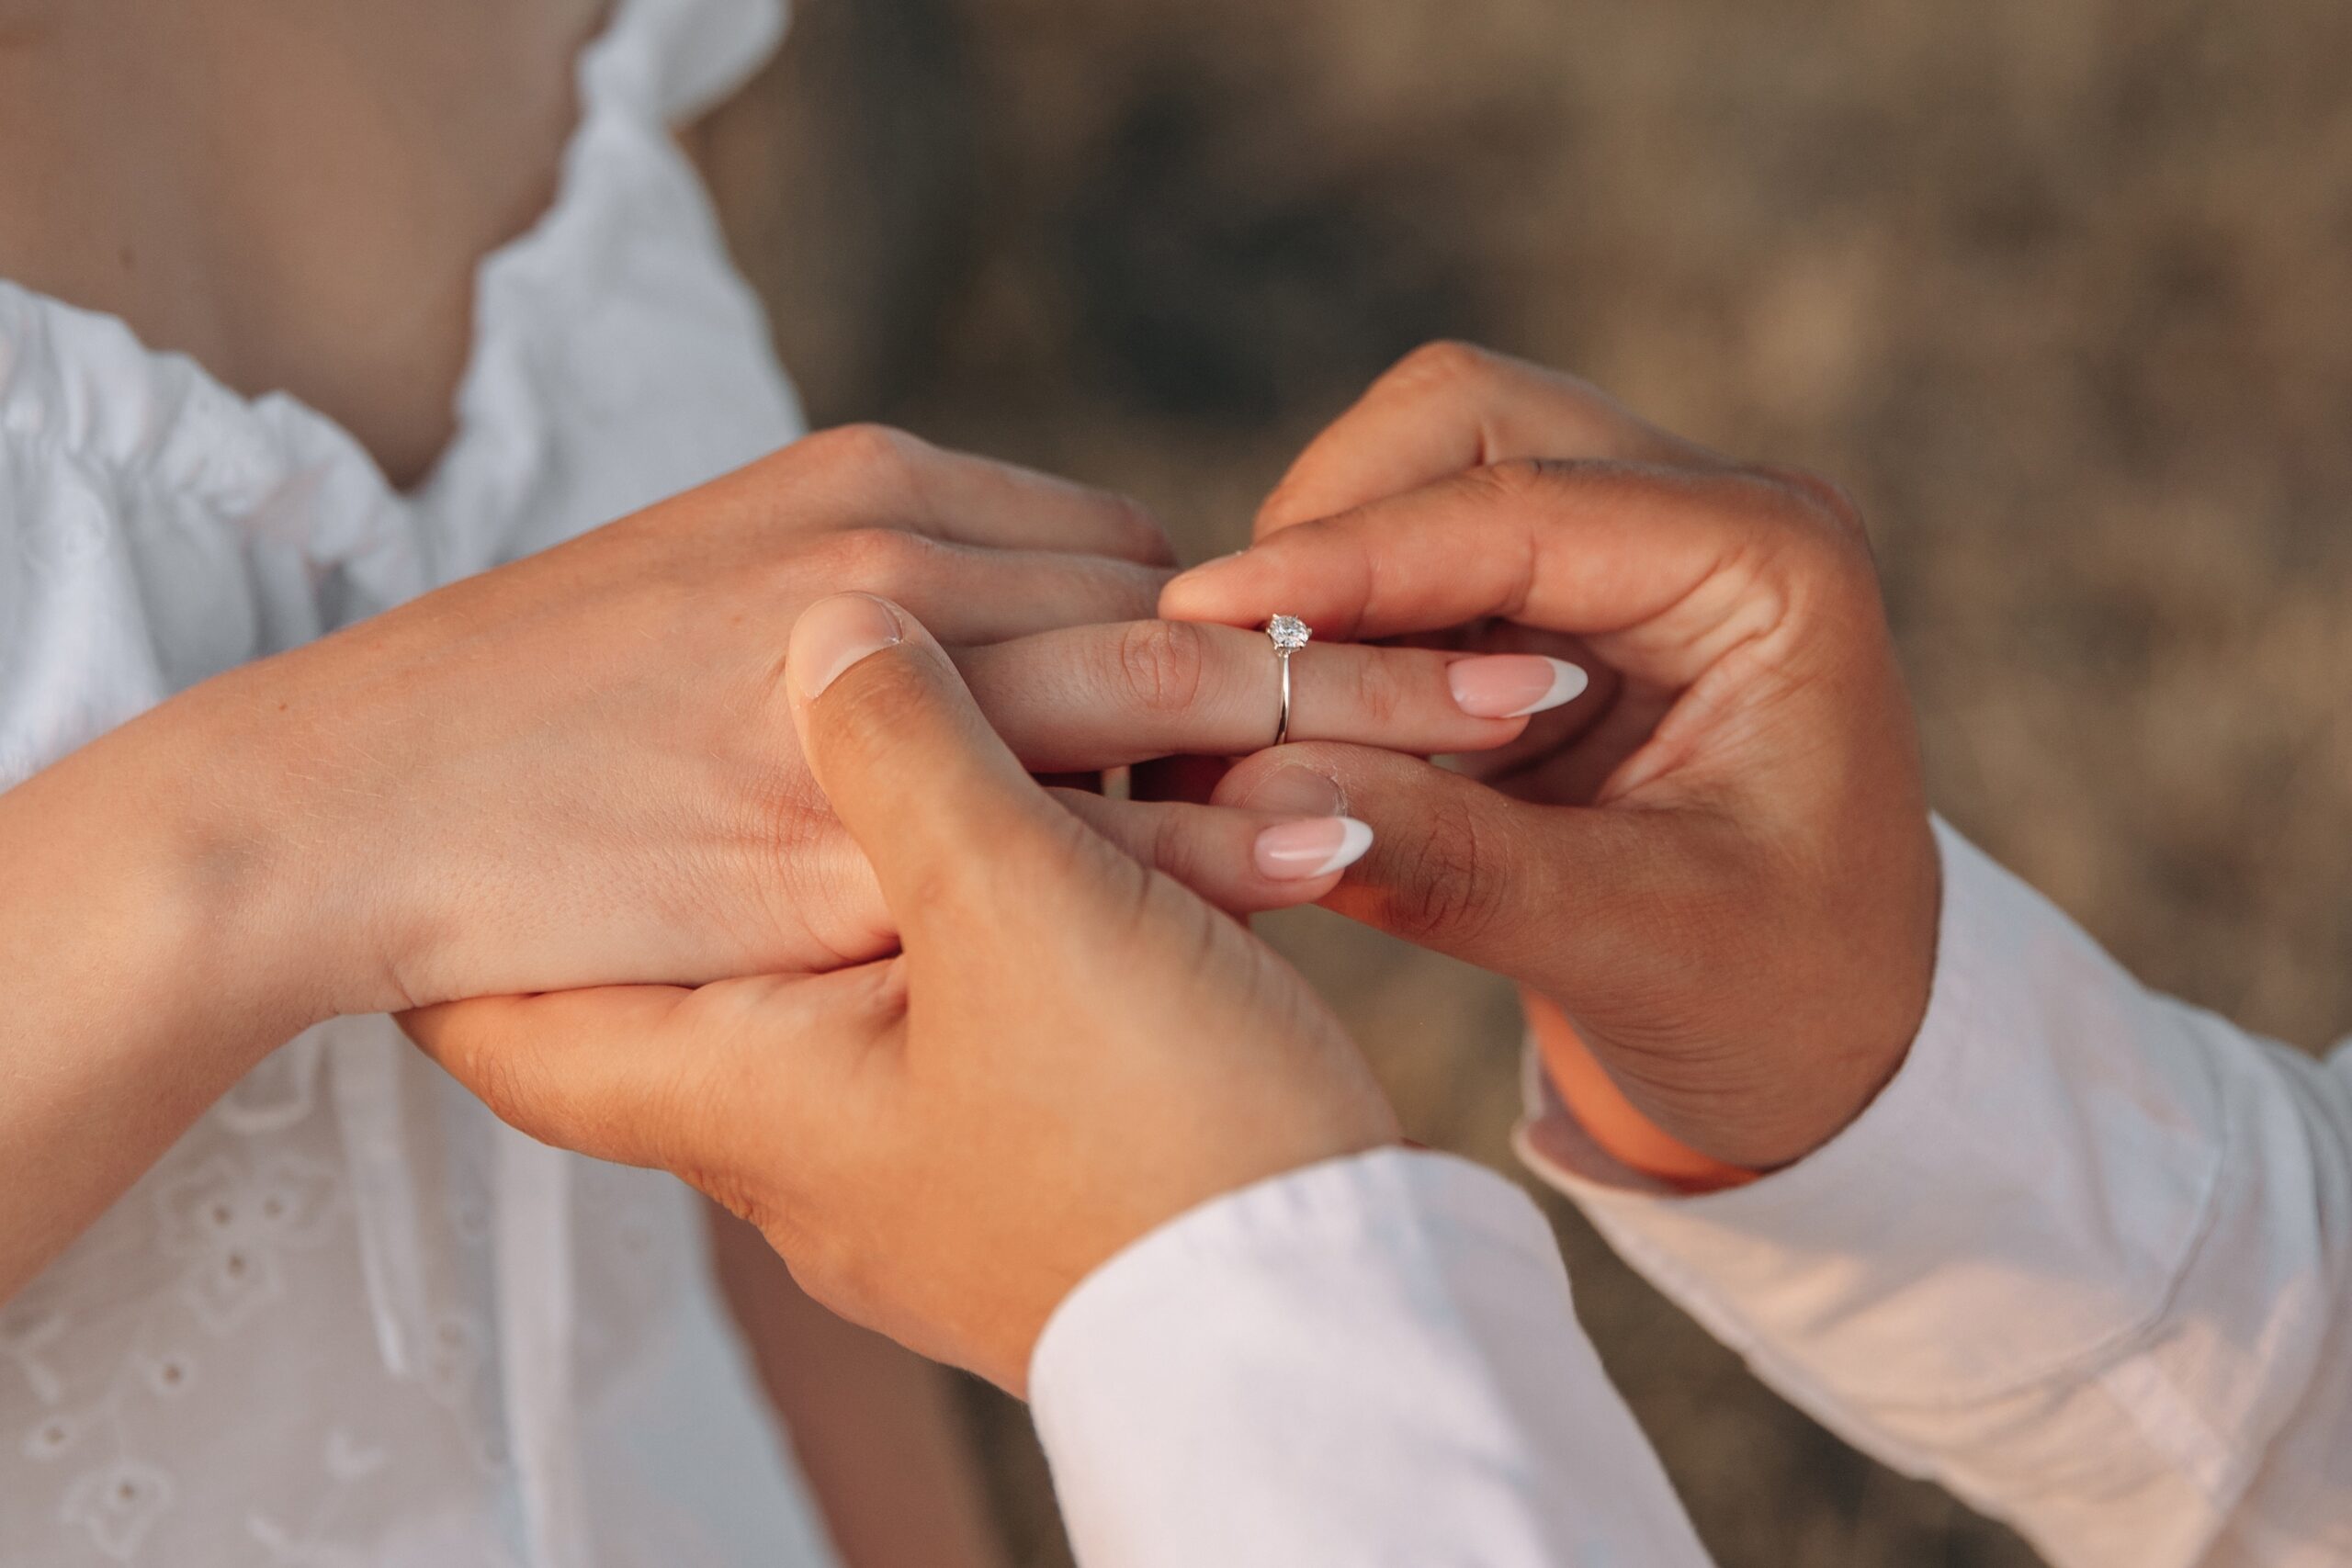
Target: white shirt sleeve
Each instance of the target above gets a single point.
(1369, 1362)
(2084, 1260)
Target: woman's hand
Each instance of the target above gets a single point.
(578, 769)
(1717, 860)
(1070, 1049)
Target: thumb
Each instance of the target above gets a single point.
(904, 755)
(1573, 900)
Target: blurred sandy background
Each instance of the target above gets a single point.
(2061, 289)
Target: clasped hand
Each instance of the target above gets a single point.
(578, 769)
(1712, 875)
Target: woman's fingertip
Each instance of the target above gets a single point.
(1513, 686)
(1354, 844)
(1568, 682)
(1315, 847)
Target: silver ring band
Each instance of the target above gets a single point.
(1288, 633)
(1282, 730)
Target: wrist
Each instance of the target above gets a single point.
(1765, 1074)
(138, 994)
(1695, 1141)
(1616, 1126)
(140, 989)
(180, 828)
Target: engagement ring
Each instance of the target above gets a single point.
(1289, 634)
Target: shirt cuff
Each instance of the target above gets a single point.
(2020, 1198)
(1373, 1361)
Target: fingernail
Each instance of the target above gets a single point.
(1293, 791)
(1512, 685)
(835, 633)
(1300, 851)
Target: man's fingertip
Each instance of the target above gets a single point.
(835, 633)
(1293, 789)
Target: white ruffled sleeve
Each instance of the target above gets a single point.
(82, 569)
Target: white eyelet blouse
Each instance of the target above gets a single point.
(350, 1319)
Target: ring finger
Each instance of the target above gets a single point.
(1102, 696)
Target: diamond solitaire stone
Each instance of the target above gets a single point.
(1290, 633)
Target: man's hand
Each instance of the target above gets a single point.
(1716, 862)
(1070, 1049)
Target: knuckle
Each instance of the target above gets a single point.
(1174, 849)
(1380, 694)
(1448, 880)
(1163, 664)
(1798, 517)
(1830, 499)
(880, 560)
(1446, 362)
(1512, 481)
(1834, 549)
(868, 450)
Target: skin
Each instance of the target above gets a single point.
(294, 194)
(297, 198)
(1713, 873)
(1737, 801)
(1717, 863)
(942, 1142)
(577, 769)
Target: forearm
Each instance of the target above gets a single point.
(139, 982)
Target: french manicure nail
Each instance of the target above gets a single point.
(835, 633)
(1293, 791)
(1512, 685)
(1301, 852)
